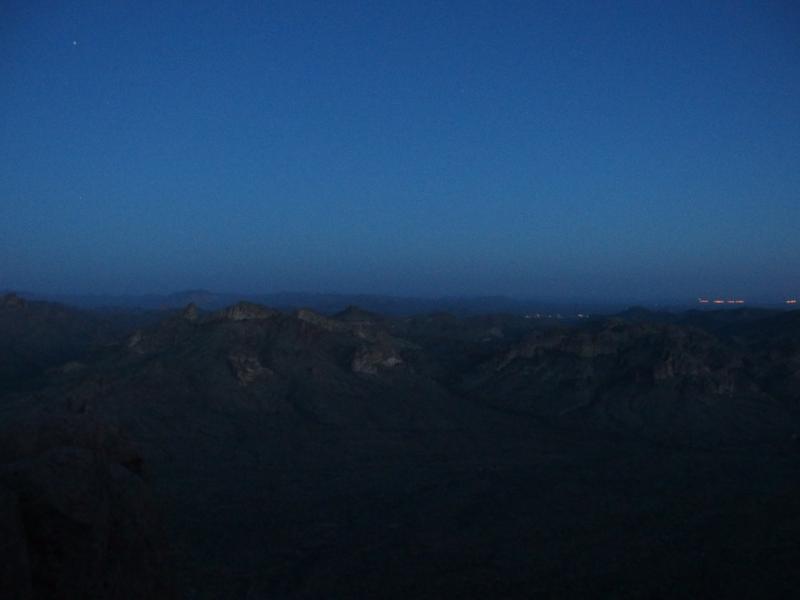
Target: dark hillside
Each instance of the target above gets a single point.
(268, 454)
(37, 336)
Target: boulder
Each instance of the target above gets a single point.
(76, 516)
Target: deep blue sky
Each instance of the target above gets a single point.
(598, 150)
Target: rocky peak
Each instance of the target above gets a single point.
(244, 311)
(191, 312)
(11, 300)
(309, 316)
(354, 314)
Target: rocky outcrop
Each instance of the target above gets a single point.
(316, 319)
(191, 312)
(660, 354)
(247, 368)
(135, 340)
(662, 380)
(76, 516)
(372, 359)
(244, 311)
(12, 301)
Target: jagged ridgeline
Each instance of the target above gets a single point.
(246, 452)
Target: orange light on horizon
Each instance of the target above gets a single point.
(702, 300)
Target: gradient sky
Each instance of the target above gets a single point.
(600, 150)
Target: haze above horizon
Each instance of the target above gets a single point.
(409, 149)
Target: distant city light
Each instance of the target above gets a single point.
(792, 301)
(703, 300)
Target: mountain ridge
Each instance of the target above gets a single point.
(300, 454)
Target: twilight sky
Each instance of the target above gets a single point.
(600, 150)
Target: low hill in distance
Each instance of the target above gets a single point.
(329, 303)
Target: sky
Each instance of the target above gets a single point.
(598, 150)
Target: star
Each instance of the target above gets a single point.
(74, 42)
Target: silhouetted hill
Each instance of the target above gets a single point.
(333, 303)
(37, 336)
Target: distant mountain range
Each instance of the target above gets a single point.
(330, 303)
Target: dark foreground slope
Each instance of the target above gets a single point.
(77, 517)
(294, 455)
